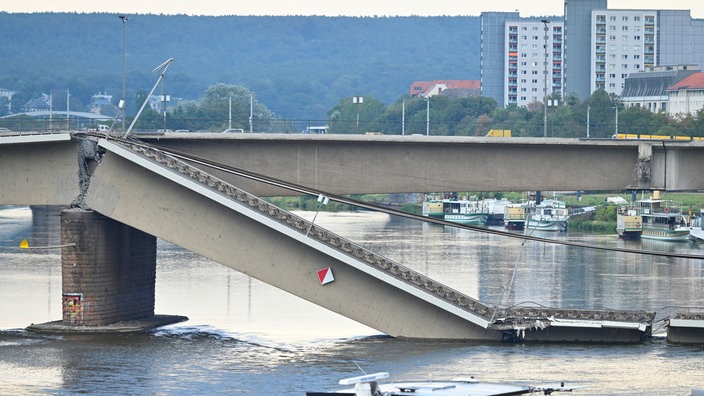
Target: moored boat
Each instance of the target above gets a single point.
(662, 219)
(548, 215)
(696, 227)
(629, 224)
(367, 385)
(462, 211)
(515, 216)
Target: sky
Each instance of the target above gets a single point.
(330, 7)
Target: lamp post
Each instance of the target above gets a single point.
(588, 109)
(122, 101)
(427, 116)
(545, 77)
(616, 122)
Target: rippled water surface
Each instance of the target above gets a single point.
(245, 337)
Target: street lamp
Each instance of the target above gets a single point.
(616, 123)
(545, 78)
(427, 116)
(122, 101)
(588, 109)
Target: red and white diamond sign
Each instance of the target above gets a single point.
(325, 276)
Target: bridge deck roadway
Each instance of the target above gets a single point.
(155, 193)
(353, 164)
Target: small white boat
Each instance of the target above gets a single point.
(548, 215)
(367, 385)
(696, 227)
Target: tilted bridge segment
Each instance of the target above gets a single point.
(368, 288)
(140, 188)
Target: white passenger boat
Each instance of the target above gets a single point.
(548, 215)
(662, 219)
(462, 211)
(367, 385)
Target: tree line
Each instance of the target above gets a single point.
(226, 106)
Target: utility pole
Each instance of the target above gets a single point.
(122, 101)
(545, 77)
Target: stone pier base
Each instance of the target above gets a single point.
(108, 274)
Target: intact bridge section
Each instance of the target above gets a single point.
(159, 195)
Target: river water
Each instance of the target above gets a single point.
(245, 337)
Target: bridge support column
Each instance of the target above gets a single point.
(108, 270)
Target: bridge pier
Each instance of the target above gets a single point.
(108, 272)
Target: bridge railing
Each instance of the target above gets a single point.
(500, 316)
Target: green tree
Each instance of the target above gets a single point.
(351, 117)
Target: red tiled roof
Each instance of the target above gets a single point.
(695, 81)
(424, 86)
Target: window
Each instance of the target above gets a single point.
(625, 18)
(636, 56)
(624, 66)
(624, 56)
(534, 81)
(612, 18)
(624, 28)
(624, 75)
(612, 75)
(636, 18)
(612, 27)
(612, 37)
(636, 38)
(636, 66)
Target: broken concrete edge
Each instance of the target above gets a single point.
(128, 326)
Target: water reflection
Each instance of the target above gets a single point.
(245, 337)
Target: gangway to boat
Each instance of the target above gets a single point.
(365, 286)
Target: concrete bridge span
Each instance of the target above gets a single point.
(156, 194)
(145, 193)
(353, 164)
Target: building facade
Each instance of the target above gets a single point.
(649, 88)
(686, 97)
(534, 61)
(578, 45)
(592, 48)
(493, 56)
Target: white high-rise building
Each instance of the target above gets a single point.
(533, 54)
(624, 42)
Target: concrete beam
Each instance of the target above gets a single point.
(348, 164)
(39, 170)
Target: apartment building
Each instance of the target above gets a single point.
(534, 61)
(592, 48)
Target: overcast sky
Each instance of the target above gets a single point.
(329, 7)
